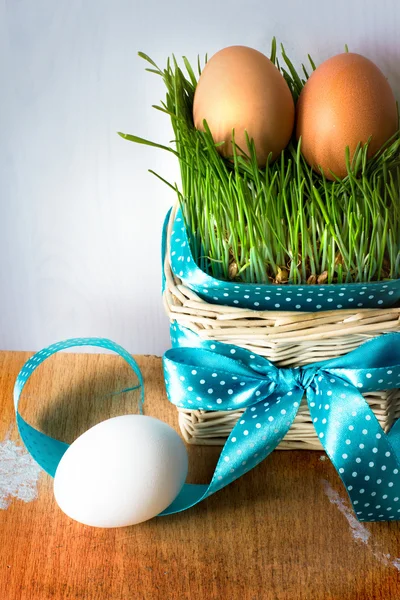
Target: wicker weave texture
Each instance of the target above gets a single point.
(287, 339)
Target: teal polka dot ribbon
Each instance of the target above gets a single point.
(218, 376)
(314, 298)
(46, 450)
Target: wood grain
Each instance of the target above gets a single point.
(271, 535)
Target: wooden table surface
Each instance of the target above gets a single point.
(283, 531)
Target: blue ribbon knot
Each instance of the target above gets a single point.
(301, 377)
(218, 376)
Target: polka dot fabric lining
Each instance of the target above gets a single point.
(301, 298)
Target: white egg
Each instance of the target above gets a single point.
(121, 472)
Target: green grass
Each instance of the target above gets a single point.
(284, 223)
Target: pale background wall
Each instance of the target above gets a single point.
(80, 216)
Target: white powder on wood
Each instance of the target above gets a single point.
(19, 474)
(359, 531)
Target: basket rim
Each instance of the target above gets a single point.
(178, 296)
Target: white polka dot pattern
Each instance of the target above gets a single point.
(336, 425)
(362, 453)
(272, 297)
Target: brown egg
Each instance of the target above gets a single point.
(346, 100)
(241, 89)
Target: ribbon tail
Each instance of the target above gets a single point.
(190, 495)
(256, 434)
(358, 447)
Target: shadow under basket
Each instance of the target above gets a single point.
(286, 338)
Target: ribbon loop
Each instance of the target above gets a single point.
(46, 450)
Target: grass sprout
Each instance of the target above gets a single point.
(284, 223)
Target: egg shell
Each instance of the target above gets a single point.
(241, 89)
(121, 472)
(346, 100)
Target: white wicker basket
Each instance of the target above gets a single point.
(286, 339)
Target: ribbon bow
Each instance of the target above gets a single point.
(219, 376)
